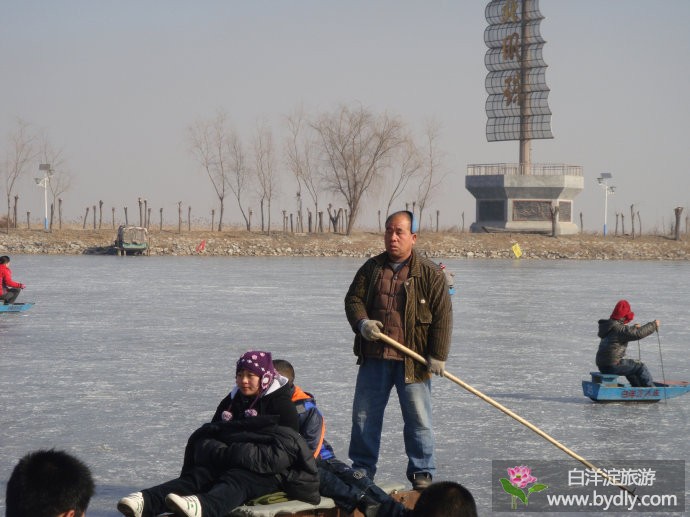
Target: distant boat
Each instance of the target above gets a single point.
(605, 388)
(16, 307)
(132, 240)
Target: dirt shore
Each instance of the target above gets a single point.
(359, 244)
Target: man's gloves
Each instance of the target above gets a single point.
(22, 286)
(436, 366)
(370, 329)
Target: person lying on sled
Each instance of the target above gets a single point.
(615, 333)
(250, 448)
(349, 488)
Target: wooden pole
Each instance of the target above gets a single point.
(501, 407)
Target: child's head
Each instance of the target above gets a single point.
(445, 498)
(255, 372)
(285, 369)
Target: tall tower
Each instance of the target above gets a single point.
(523, 196)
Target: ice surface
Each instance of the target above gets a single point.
(123, 357)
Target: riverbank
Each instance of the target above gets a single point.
(359, 244)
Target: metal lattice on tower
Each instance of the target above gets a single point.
(517, 106)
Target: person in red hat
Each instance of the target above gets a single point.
(615, 333)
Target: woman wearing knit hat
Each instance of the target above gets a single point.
(251, 448)
(615, 333)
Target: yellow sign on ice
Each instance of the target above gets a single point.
(516, 250)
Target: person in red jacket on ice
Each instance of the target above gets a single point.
(10, 288)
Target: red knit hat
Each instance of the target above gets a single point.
(622, 312)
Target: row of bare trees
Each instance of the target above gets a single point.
(25, 147)
(350, 152)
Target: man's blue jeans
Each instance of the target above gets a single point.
(635, 371)
(375, 380)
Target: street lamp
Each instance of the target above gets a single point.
(608, 189)
(43, 182)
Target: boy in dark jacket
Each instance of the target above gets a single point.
(615, 333)
(250, 448)
(349, 488)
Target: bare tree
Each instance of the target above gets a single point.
(678, 212)
(239, 173)
(265, 171)
(61, 179)
(431, 173)
(554, 209)
(357, 146)
(209, 142)
(632, 220)
(20, 153)
(300, 158)
(408, 167)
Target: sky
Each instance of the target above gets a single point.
(116, 86)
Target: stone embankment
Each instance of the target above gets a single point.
(360, 244)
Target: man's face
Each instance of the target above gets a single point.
(398, 239)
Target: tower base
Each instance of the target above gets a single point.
(516, 198)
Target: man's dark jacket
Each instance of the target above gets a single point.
(428, 316)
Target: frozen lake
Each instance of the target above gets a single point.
(122, 358)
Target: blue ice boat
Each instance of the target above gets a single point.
(605, 388)
(16, 307)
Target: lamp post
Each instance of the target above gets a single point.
(43, 182)
(608, 189)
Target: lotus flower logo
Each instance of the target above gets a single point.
(518, 479)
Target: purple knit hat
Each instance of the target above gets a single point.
(259, 363)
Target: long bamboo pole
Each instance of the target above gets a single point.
(501, 407)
